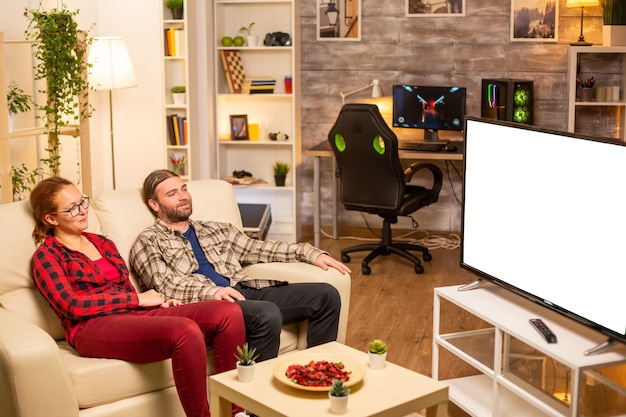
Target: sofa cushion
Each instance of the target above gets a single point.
(17, 288)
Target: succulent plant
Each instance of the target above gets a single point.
(338, 389)
(377, 346)
(246, 356)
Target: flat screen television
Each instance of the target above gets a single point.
(544, 215)
(428, 107)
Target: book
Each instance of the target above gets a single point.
(179, 42)
(170, 129)
(181, 130)
(176, 131)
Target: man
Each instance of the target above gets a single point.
(191, 260)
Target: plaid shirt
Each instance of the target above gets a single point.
(75, 286)
(163, 258)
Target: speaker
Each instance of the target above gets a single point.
(507, 99)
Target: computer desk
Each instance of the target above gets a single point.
(323, 150)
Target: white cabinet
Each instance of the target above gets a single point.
(177, 116)
(593, 112)
(507, 369)
(266, 113)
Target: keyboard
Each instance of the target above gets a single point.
(421, 146)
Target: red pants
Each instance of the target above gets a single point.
(181, 333)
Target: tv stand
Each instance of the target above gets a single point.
(507, 356)
(431, 135)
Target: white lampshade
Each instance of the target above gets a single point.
(582, 3)
(111, 67)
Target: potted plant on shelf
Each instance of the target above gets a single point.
(245, 362)
(377, 354)
(253, 40)
(178, 94)
(338, 396)
(60, 50)
(176, 7)
(614, 29)
(280, 173)
(18, 102)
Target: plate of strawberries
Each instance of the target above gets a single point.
(318, 373)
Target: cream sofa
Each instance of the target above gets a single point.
(42, 376)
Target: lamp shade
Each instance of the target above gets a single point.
(110, 64)
(582, 3)
(377, 90)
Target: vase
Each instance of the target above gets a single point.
(253, 40)
(11, 122)
(280, 180)
(179, 98)
(338, 405)
(245, 373)
(177, 13)
(377, 360)
(614, 35)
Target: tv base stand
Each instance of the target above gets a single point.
(513, 371)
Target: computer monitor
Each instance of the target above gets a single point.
(428, 107)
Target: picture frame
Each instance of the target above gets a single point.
(338, 20)
(239, 127)
(534, 21)
(435, 8)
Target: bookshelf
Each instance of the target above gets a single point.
(277, 111)
(177, 114)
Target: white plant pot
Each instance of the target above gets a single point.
(614, 35)
(11, 122)
(338, 405)
(245, 373)
(253, 40)
(179, 98)
(377, 361)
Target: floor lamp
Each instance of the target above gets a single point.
(110, 69)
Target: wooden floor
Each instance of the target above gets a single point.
(395, 304)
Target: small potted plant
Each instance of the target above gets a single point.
(253, 40)
(176, 7)
(245, 362)
(377, 354)
(338, 396)
(17, 101)
(178, 94)
(280, 173)
(614, 18)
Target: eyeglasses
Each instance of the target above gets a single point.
(75, 210)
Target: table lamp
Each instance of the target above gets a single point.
(376, 92)
(581, 3)
(110, 69)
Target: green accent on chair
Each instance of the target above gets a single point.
(340, 143)
(379, 144)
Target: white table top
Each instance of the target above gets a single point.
(393, 391)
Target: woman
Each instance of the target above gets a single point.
(85, 280)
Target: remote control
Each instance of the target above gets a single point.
(543, 330)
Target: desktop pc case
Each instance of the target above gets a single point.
(507, 99)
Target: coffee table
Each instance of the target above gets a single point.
(391, 392)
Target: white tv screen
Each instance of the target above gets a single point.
(545, 214)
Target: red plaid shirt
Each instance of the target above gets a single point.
(75, 286)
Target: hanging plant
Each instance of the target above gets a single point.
(60, 49)
(614, 12)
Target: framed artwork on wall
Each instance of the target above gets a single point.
(239, 127)
(435, 8)
(338, 20)
(534, 20)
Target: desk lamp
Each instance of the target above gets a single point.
(581, 3)
(377, 91)
(111, 69)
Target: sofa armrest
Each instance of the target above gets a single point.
(33, 379)
(303, 272)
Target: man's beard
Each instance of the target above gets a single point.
(176, 215)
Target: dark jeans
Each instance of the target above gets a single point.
(181, 333)
(265, 310)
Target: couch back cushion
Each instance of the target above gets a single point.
(17, 288)
(123, 215)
